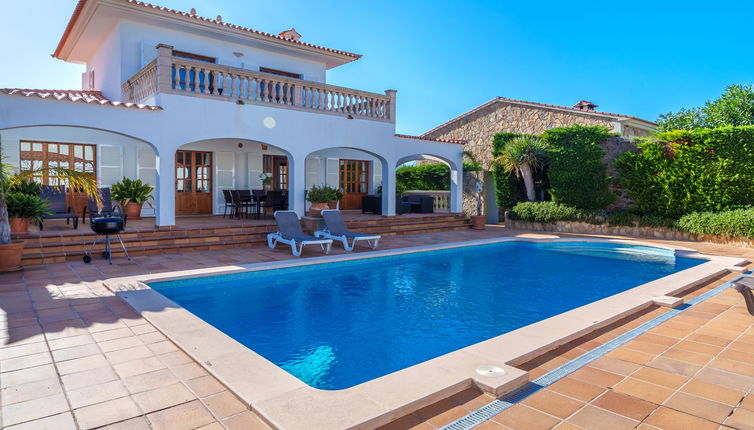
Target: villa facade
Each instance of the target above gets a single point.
(478, 127)
(194, 106)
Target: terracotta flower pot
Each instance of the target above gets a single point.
(133, 210)
(478, 222)
(19, 225)
(10, 256)
(332, 205)
(316, 209)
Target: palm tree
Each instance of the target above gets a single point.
(77, 180)
(521, 156)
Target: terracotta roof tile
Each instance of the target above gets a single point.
(88, 97)
(544, 105)
(81, 3)
(457, 141)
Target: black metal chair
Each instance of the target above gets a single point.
(228, 203)
(240, 205)
(273, 199)
(56, 203)
(108, 208)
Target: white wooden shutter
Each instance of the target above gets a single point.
(254, 160)
(225, 173)
(312, 172)
(146, 170)
(333, 172)
(110, 162)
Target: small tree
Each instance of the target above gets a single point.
(522, 155)
(734, 107)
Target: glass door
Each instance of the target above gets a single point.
(193, 182)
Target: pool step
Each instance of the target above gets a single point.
(71, 247)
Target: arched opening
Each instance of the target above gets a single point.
(109, 156)
(356, 172)
(205, 168)
(427, 182)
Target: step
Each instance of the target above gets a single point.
(73, 247)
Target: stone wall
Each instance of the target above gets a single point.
(479, 129)
(469, 192)
(636, 231)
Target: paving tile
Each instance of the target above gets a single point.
(105, 413)
(742, 419)
(669, 419)
(96, 394)
(727, 379)
(674, 366)
(88, 378)
(714, 392)
(703, 348)
(22, 350)
(33, 409)
(748, 402)
(137, 367)
(225, 404)
(118, 333)
(163, 397)
(25, 376)
(245, 421)
(599, 419)
(128, 354)
(660, 377)
(82, 364)
(69, 342)
(30, 391)
(412, 422)
(205, 386)
(643, 390)
(26, 361)
(687, 356)
(62, 421)
(614, 365)
(553, 403)
(596, 376)
(75, 352)
(576, 389)
(631, 355)
(137, 423)
(523, 417)
(162, 347)
(698, 406)
(175, 359)
(189, 371)
(121, 343)
(183, 416)
(627, 406)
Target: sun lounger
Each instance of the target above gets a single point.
(336, 230)
(289, 232)
(744, 286)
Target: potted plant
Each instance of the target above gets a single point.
(23, 208)
(337, 195)
(266, 179)
(320, 196)
(132, 194)
(11, 252)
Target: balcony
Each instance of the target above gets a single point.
(172, 75)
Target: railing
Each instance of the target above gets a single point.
(142, 85)
(168, 74)
(441, 199)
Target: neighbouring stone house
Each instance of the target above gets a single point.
(479, 125)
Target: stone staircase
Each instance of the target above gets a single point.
(51, 248)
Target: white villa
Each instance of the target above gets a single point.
(194, 106)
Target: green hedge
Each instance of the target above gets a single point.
(549, 212)
(576, 171)
(734, 223)
(685, 171)
(426, 177)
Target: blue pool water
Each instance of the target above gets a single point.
(336, 325)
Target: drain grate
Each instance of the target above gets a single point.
(499, 405)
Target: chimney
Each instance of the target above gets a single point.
(291, 34)
(585, 105)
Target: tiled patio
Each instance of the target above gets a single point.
(75, 356)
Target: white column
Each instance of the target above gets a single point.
(388, 188)
(456, 190)
(165, 198)
(297, 183)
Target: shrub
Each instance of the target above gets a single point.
(577, 173)
(425, 177)
(685, 171)
(27, 187)
(734, 223)
(323, 194)
(22, 205)
(549, 212)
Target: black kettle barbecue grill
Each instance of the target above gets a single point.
(106, 226)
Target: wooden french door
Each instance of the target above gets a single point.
(354, 181)
(193, 182)
(277, 167)
(77, 156)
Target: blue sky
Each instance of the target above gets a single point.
(640, 58)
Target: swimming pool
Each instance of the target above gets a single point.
(336, 325)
